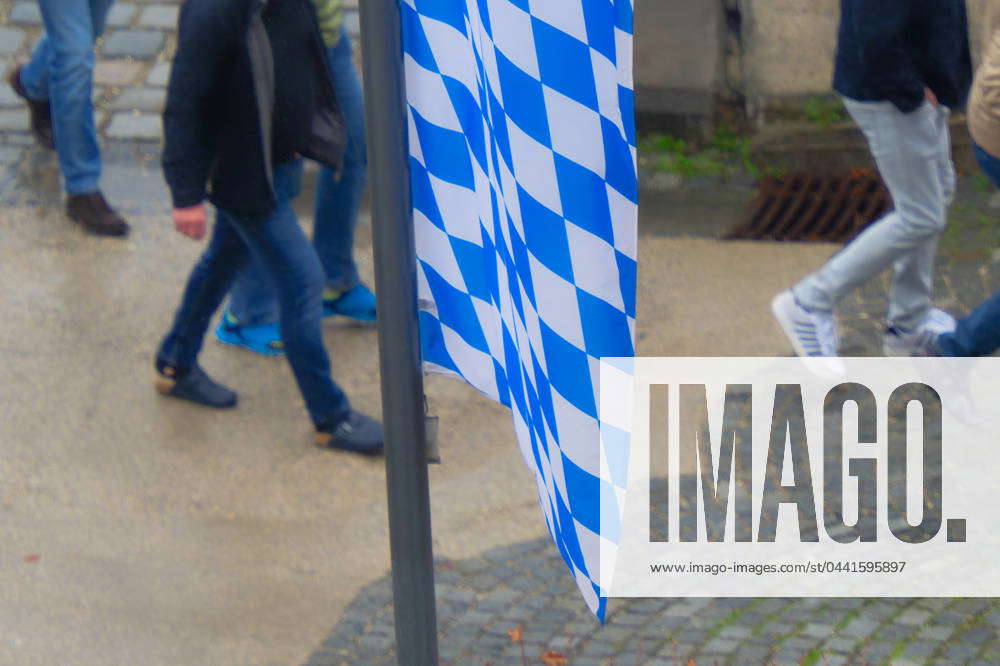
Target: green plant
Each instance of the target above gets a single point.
(824, 111)
(981, 182)
(722, 155)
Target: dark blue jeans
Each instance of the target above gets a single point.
(278, 245)
(979, 333)
(253, 301)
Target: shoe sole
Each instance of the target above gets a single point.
(165, 387)
(324, 440)
(329, 313)
(234, 341)
(97, 232)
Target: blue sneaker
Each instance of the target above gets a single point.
(357, 303)
(263, 339)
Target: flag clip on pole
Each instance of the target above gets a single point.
(431, 425)
(398, 335)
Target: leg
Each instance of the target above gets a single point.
(337, 201)
(206, 287)
(35, 74)
(252, 300)
(913, 277)
(62, 70)
(906, 148)
(283, 252)
(976, 335)
(979, 333)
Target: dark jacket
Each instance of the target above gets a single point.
(249, 88)
(889, 50)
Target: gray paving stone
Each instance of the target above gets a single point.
(146, 127)
(721, 646)
(140, 44)
(25, 13)
(159, 16)
(144, 99)
(18, 139)
(936, 632)
(121, 14)
(860, 627)
(115, 72)
(159, 75)
(11, 40)
(8, 98)
(14, 119)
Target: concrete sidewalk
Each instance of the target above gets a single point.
(139, 530)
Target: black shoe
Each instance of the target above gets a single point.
(196, 386)
(40, 112)
(93, 213)
(357, 433)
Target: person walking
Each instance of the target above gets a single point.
(251, 318)
(900, 67)
(978, 334)
(249, 93)
(57, 85)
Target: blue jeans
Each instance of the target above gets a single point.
(979, 333)
(252, 300)
(278, 245)
(62, 71)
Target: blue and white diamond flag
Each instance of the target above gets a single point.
(523, 166)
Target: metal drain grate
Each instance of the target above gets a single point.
(804, 207)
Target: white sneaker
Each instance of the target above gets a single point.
(811, 333)
(915, 343)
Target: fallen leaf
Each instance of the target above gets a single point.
(554, 659)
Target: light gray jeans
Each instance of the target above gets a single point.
(913, 154)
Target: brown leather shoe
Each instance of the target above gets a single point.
(94, 214)
(40, 112)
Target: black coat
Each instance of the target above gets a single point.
(250, 87)
(889, 50)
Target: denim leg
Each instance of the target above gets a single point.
(976, 335)
(337, 201)
(252, 300)
(907, 149)
(61, 70)
(281, 249)
(979, 333)
(206, 287)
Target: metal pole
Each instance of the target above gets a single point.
(398, 335)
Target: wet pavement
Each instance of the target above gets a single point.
(141, 531)
(170, 535)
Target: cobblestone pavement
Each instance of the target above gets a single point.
(481, 600)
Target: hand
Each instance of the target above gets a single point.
(931, 97)
(191, 221)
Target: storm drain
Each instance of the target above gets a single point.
(805, 207)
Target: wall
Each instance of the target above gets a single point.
(693, 56)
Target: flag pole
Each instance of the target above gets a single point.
(398, 335)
